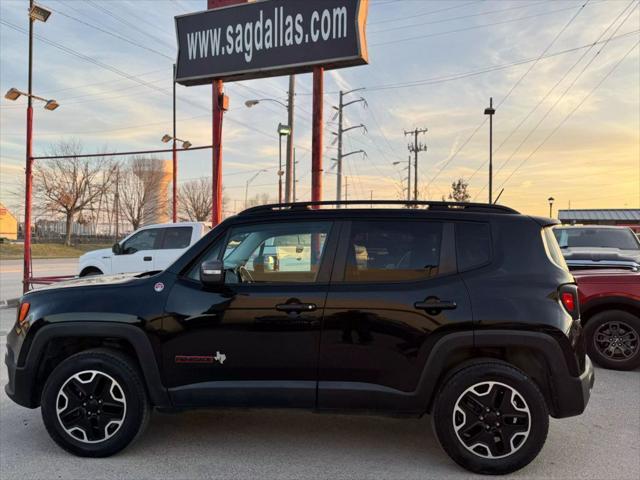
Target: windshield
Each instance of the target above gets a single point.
(622, 238)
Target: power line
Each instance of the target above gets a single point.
(549, 92)
(460, 17)
(570, 114)
(569, 87)
(125, 75)
(474, 27)
(418, 14)
(133, 26)
(109, 32)
(511, 90)
(472, 73)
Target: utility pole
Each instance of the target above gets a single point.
(341, 130)
(409, 179)
(490, 111)
(416, 148)
(289, 168)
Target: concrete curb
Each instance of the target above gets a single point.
(9, 303)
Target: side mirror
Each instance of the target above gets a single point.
(116, 249)
(212, 273)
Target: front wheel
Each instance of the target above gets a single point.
(613, 339)
(94, 403)
(491, 418)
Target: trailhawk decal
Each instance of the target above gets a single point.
(207, 359)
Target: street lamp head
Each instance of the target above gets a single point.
(166, 138)
(12, 94)
(551, 199)
(51, 105)
(186, 144)
(251, 103)
(284, 129)
(39, 13)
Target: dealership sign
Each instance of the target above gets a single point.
(269, 38)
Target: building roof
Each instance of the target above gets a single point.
(615, 214)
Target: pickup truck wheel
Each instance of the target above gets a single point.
(613, 339)
(94, 403)
(491, 418)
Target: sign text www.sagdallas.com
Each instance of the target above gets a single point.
(270, 38)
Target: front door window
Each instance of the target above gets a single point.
(283, 253)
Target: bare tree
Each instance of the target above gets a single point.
(195, 199)
(139, 181)
(459, 191)
(259, 199)
(71, 184)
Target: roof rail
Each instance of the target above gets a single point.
(428, 204)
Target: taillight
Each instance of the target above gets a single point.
(568, 296)
(568, 301)
(23, 312)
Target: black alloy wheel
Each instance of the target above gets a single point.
(613, 339)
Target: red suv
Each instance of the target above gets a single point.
(610, 310)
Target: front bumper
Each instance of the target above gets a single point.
(19, 386)
(572, 393)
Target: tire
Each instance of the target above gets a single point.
(90, 272)
(94, 403)
(613, 339)
(462, 426)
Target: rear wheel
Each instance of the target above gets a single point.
(613, 339)
(491, 418)
(94, 403)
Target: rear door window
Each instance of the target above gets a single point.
(393, 251)
(177, 237)
(473, 245)
(552, 248)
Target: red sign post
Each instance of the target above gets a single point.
(216, 131)
(316, 138)
(229, 42)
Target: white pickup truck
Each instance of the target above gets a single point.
(153, 247)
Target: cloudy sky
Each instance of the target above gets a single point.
(564, 76)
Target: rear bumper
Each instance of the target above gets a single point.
(572, 393)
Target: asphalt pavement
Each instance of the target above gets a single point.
(11, 273)
(603, 443)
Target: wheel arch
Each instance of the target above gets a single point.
(598, 305)
(89, 269)
(53, 343)
(537, 354)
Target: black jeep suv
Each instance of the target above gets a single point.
(465, 312)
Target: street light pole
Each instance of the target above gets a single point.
(550, 200)
(280, 168)
(282, 131)
(293, 187)
(174, 199)
(490, 111)
(246, 188)
(26, 271)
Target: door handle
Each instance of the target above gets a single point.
(296, 307)
(435, 305)
(147, 259)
